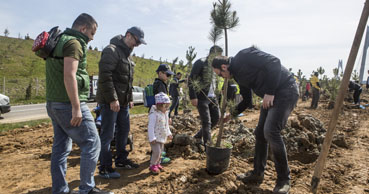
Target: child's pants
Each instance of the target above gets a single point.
(156, 148)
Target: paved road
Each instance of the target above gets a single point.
(28, 113)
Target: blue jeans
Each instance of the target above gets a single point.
(209, 116)
(268, 131)
(175, 104)
(109, 119)
(85, 136)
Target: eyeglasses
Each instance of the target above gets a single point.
(136, 40)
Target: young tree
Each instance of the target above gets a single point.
(222, 17)
(190, 56)
(320, 70)
(6, 32)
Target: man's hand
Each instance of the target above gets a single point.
(268, 101)
(76, 117)
(170, 137)
(194, 102)
(131, 104)
(114, 106)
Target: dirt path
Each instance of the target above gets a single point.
(25, 162)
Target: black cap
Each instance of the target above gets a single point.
(137, 32)
(215, 48)
(165, 68)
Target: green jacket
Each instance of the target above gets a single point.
(55, 88)
(115, 73)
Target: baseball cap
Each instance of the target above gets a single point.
(165, 68)
(137, 32)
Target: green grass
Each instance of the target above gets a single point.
(11, 126)
(21, 67)
(138, 109)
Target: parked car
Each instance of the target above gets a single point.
(138, 95)
(4, 104)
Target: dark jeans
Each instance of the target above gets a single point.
(357, 95)
(315, 100)
(268, 131)
(108, 122)
(209, 116)
(175, 105)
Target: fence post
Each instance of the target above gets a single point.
(4, 86)
(36, 86)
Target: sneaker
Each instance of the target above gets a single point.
(109, 173)
(160, 167)
(127, 164)
(98, 191)
(163, 154)
(282, 187)
(164, 160)
(154, 169)
(250, 177)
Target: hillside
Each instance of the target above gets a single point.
(20, 67)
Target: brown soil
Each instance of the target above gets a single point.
(25, 158)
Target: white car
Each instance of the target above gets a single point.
(138, 95)
(4, 104)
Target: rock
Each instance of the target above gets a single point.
(182, 139)
(339, 140)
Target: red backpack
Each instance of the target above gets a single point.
(44, 44)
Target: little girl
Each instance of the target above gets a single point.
(158, 130)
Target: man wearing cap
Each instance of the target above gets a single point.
(204, 97)
(114, 94)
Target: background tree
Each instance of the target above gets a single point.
(215, 34)
(27, 37)
(223, 18)
(90, 47)
(174, 68)
(190, 56)
(6, 32)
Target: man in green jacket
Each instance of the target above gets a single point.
(114, 95)
(67, 87)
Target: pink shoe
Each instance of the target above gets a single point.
(154, 169)
(160, 167)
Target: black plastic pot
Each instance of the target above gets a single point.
(217, 159)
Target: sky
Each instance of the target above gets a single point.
(303, 34)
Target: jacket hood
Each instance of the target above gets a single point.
(119, 42)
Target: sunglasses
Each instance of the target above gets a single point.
(136, 40)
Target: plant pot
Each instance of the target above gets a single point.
(217, 159)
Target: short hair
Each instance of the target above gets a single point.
(179, 73)
(218, 61)
(84, 20)
(316, 73)
(215, 49)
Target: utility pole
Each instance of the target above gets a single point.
(365, 49)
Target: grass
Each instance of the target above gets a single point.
(11, 126)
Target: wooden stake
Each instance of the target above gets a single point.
(339, 100)
(224, 105)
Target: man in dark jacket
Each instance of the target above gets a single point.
(202, 87)
(174, 93)
(357, 91)
(263, 74)
(114, 94)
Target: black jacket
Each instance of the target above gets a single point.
(202, 73)
(115, 73)
(354, 86)
(174, 86)
(260, 72)
(160, 86)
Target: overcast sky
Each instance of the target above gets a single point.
(304, 34)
